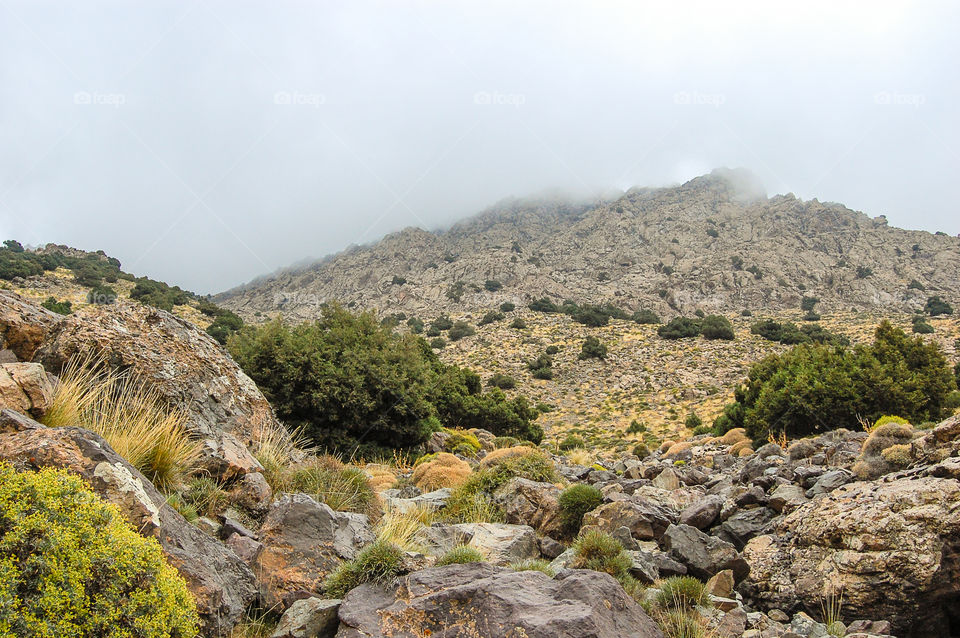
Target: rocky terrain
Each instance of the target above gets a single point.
(716, 243)
(830, 535)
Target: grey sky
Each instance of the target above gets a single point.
(204, 143)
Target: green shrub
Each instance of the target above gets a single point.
(921, 327)
(459, 330)
(343, 488)
(518, 323)
(636, 427)
(102, 295)
(755, 270)
(693, 420)
(679, 328)
(502, 381)
(472, 501)
(71, 566)
(442, 323)
(490, 317)
(225, 324)
(712, 232)
(646, 317)
(737, 262)
(864, 271)
(459, 555)
(592, 349)
(641, 450)
(807, 304)
(415, 324)
(398, 280)
(601, 552)
(438, 343)
(702, 429)
(570, 442)
(59, 307)
(936, 306)
(544, 304)
(716, 327)
(507, 306)
(812, 388)
(574, 502)
(681, 592)
(552, 350)
(376, 563)
(533, 565)
(915, 285)
(492, 285)
(591, 316)
(159, 295)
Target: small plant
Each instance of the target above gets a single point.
(438, 343)
(459, 555)
(570, 442)
(492, 285)
(533, 565)
(693, 420)
(502, 381)
(459, 330)
(444, 470)
(398, 280)
(376, 563)
(716, 327)
(636, 427)
(702, 429)
(507, 306)
(779, 439)
(59, 307)
(518, 324)
(646, 317)
(641, 450)
(400, 526)
(831, 610)
(679, 328)
(681, 592)
(552, 350)
(574, 502)
(491, 317)
(344, 488)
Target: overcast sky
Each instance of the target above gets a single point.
(204, 143)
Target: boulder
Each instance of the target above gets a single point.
(744, 525)
(26, 388)
(527, 502)
(645, 520)
(220, 581)
(484, 601)
(435, 500)
(302, 542)
(721, 584)
(23, 325)
(786, 498)
(309, 618)
(892, 546)
(703, 555)
(703, 513)
(183, 363)
(829, 481)
(667, 480)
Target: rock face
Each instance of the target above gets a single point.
(302, 542)
(23, 326)
(557, 248)
(488, 602)
(309, 618)
(183, 363)
(645, 520)
(891, 546)
(222, 584)
(26, 388)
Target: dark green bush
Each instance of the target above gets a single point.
(543, 373)
(592, 349)
(693, 420)
(398, 280)
(349, 382)
(915, 285)
(442, 323)
(712, 232)
(502, 381)
(641, 450)
(101, 294)
(490, 317)
(921, 326)
(636, 427)
(544, 304)
(459, 330)
(225, 324)
(646, 317)
(159, 295)
(416, 325)
(716, 327)
(936, 306)
(59, 307)
(814, 387)
(507, 306)
(438, 343)
(757, 273)
(570, 442)
(737, 262)
(591, 316)
(864, 271)
(574, 502)
(518, 323)
(679, 328)
(492, 285)
(807, 304)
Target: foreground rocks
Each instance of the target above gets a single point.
(488, 602)
(221, 583)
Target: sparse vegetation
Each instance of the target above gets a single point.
(59, 307)
(574, 502)
(679, 328)
(378, 562)
(592, 348)
(459, 555)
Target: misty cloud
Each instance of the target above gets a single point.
(207, 142)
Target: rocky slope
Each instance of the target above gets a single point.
(715, 243)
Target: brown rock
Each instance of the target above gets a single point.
(527, 502)
(26, 388)
(721, 584)
(23, 326)
(645, 520)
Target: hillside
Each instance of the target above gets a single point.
(715, 243)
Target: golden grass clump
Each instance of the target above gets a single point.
(745, 451)
(400, 526)
(738, 446)
(445, 470)
(137, 422)
(278, 449)
(678, 448)
(501, 454)
(666, 445)
(734, 436)
(580, 456)
(874, 460)
(381, 476)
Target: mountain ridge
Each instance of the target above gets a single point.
(716, 243)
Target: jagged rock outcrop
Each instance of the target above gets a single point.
(26, 388)
(184, 364)
(23, 326)
(705, 244)
(891, 547)
(221, 583)
(484, 601)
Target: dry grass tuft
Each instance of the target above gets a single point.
(135, 419)
(381, 476)
(278, 449)
(445, 470)
(678, 448)
(496, 456)
(734, 436)
(400, 527)
(738, 446)
(580, 456)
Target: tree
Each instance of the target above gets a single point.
(815, 387)
(507, 306)
(592, 349)
(936, 306)
(459, 330)
(591, 316)
(646, 317)
(808, 303)
(716, 327)
(544, 304)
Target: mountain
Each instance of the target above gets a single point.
(715, 243)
